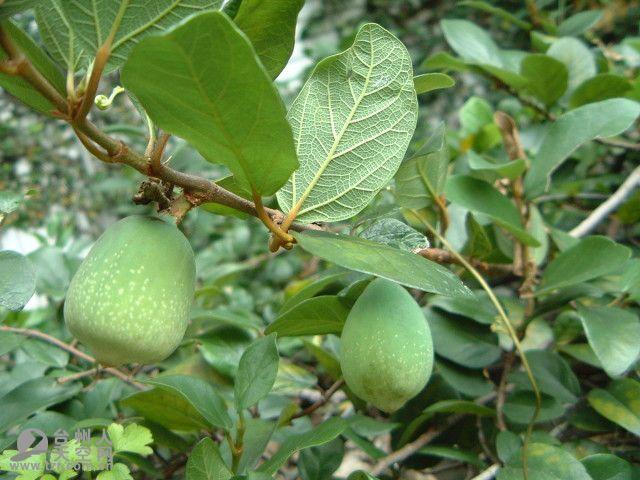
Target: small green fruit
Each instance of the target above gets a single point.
(129, 302)
(386, 353)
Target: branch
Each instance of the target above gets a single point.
(443, 256)
(609, 206)
(323, 400)
(72, 350)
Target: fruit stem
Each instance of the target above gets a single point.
(283, 237)
(512, 333)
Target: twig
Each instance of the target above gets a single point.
(502, 391)
(443, 256)
(488, 474)
(323, 400)
(79, 375)
(72, 350)
(609, 206)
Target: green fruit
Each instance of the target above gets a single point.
(129, 302)
(386, 353)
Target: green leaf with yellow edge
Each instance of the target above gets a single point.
(620, 403)
(224, 104)
(544, 462)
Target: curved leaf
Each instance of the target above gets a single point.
(352, 123)
(17, 280)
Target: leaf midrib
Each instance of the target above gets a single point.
(296, 207)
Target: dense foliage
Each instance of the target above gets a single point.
(481, 159)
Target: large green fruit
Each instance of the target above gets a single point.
(129, 302)
(386, 351)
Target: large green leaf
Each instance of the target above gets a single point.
(199, 394)
(205, 463)
(256, 372)
(387, 262)
(314, 316)
(320, 435)
(578, 23)
(422, 177)
(271, 27)
(17, 280)
(481, 197)
(31, 396)
(572, 129)
(613, 334)
(548, 77)
(74, 30)
(224, 104)
(601, 87)
(544, 462)
(591, 258)
(619, 403)
(18, 86)
(352, 123)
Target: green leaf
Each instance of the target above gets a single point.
(553, 376)
(510, 170)
(601, 87)
(451, 453)
(520, 405)
(11, 7)
(619, 403)
(613, 334)
(19, 87)
(471, 42)
(507, 444)
(314, 316)
(468, 382)
(119, 471)
(352, 123)
(548, 77)
(31, 396)
(604, 466)
(313, 288)
(422, 177)
(17, 280)
(579, 23)
(74, 30)
(467, 344)
(323, 433)
(271, 28)
(444, 406)
(199, 394)
(132, 438)
(258, 432)
(386, 262)
(538, 229)
(572, 129)
(167, 408)
(478, 307)
(591, 258)
(481, 197)
(10, 341)
(205, 462)
(496, 11)
(224, 104)
(428, 82)
(544, 462)
(395, 233)
(257, 372)
(319, 463)
(576, 57)
(361, 475)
